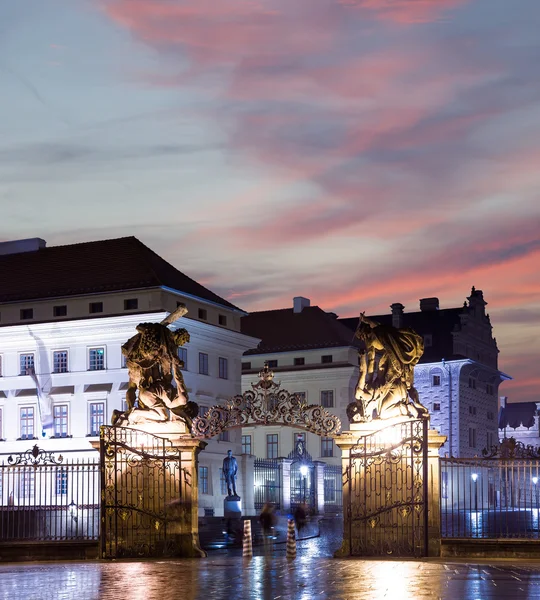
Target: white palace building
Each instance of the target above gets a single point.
(65, 312)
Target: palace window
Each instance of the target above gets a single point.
(61, 482)
(95, 307)
(224, 436)
(27, 313)
(60, 311)
(203, 314)
(182, 355)
(327, 447)
(327, 398)
(203, 363)
(272, 445)
(326, 359)
(97, 417)
(96, 359)
(436, 406)
(60, 361)
(27, 364)
(246, 366)
(299, 361)
(435, 380)
(246, 444)
(223, 368)
(472, 437)
(272, 364)
(27, 415)
(203, 480)
(131, 304)
(222, 320)
(222, 483)
(60, 420)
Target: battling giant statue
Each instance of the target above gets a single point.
(385, 385)
(156, 391)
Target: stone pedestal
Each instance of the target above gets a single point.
(232, 508)
(386, 487)
(150, 491)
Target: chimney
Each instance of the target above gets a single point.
(428, 304)
(19, 246)
(299, 303)
(397, 314)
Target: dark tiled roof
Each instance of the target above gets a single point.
(284, 330)
(439, 323)
(90, 268)
(517, 414)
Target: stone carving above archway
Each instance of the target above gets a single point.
(266, 404)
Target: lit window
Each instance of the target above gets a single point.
(96, 359)
(327, 398)
(60, 361)
(182, 355)
(27, 364)
(246, 444)
(327, 447)
(203, 363)
(60, 420)
(27, 422)
(223, 368)
(203, 480)
(97, 417)
(272, 445)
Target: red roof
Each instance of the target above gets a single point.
(90, 268)
(284, 330)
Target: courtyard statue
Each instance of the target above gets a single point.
(385, 385)
(156, 391)
(230, 470)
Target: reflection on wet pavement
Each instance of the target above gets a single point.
(269, 578)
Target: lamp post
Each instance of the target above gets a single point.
(474, 477)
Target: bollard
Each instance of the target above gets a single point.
(247, 547)
(291, 540)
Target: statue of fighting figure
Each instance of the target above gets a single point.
(385, 385)
(156, 391)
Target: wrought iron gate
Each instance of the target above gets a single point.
(146, 493)
(387, 492)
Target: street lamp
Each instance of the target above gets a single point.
(474, 477)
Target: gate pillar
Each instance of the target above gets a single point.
(319, 486)
(285, 485)
(435, 443)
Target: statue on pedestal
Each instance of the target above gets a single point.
(230, 470)
(385, 385)
(156, 390)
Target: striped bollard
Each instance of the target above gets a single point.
(247, 547)
(291, 540)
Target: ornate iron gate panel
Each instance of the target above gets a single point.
(267, 482)
(145, 493)
(387, 485)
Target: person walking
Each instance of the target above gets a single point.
(300, 517)
(267, 519)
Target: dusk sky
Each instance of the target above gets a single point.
(357, 152)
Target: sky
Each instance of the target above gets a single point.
(356, 152)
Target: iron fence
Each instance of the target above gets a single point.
(490, 498)
(303, 485)
(333, 489)
(268, 479)
(49, 497)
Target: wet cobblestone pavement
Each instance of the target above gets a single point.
(314, 574)
(269, 578)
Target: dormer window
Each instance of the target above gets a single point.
(27, 314)
(95, 307)
(203, 314)
(131, 304)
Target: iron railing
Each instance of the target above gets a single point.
(303, 485)
(268, 480)
(49, 497)
(333, 489)
(490, 498)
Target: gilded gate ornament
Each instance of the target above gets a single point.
(266, 404)
(385, 385)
